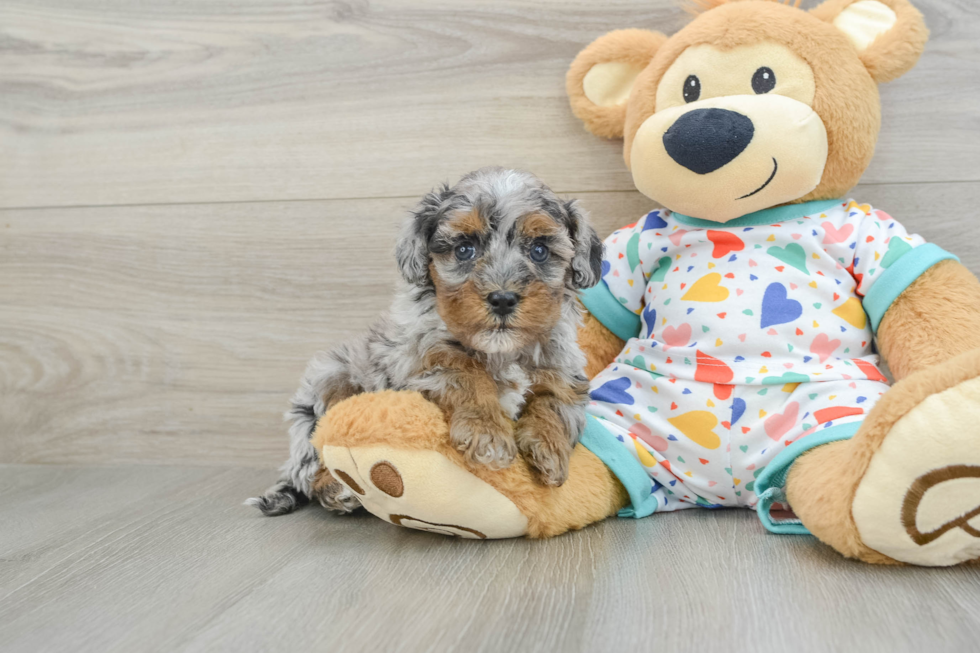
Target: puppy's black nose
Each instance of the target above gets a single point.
(704, 140)
(503, 302)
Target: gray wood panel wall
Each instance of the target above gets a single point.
(194, 197)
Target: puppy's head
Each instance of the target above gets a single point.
(501, 251)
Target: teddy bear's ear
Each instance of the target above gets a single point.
(889, 35)
(600, 79)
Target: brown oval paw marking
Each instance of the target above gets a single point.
(910, 506)
(351, 483)
(386, 478)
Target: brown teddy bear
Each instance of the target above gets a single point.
(731, 341)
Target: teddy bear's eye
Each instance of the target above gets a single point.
(763, 81)
(692, 88)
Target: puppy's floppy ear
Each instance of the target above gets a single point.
(587, 260)
(601, 78)
(889, 35)
(412, 250)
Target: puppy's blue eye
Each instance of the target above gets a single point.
(465, 252)
(539, 253)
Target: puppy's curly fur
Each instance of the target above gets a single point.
(484, 325)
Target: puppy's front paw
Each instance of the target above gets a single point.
(486, 438)
(333, 495)
(546, 446)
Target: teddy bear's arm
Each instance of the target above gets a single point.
(601, 346)
(933, 320)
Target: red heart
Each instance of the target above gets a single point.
(712, 370)
(725, 242)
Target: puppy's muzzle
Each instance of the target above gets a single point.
(503, 302)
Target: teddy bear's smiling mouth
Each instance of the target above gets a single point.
(775, 167)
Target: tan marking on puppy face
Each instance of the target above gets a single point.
(538, 225)
(470, 222)
(463, 308)
(539, 310)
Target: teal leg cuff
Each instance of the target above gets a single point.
(771, 484)
(600, 441)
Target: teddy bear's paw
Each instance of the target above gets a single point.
(484, 438)
(424, 490)
(919, 500)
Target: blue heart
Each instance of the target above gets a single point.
(738, 409)
(777, 308)
(654, 221)
(605, 268)
(613, 392)
(650, 319)
(672, 438)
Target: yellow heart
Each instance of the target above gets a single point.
(762, 413)
(877, 256)
(852, 312)
(711, 266)
(789, 387)
(697, 425)
(688, 474)
(711, 404)
(816, 256)
(813, 284)
(771, 238)
(645, 457)
(737, 481)
(815, 324)
(637, 417)
(718, 342)
(706, 289)
(630, 282)
(763, 369)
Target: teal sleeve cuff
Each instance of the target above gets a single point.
(771, 484)
(614, 316)
(900, 276)
(597, 439)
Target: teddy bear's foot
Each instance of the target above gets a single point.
(393, 452)
(906, 488)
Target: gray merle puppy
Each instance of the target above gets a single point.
(484, 325)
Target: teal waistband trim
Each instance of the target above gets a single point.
(771, 484)
(597, 439)
(895, 279)
(608, 310)
(765, 216)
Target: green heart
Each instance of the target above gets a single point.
(792, 254)
(704, 329)
(787, 377)
(661, 272)
(681, 460)
(638, 361)
(897, 248)
(633, 251)
(750, 486)
(744, 447)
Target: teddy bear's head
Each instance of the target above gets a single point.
(754, 104)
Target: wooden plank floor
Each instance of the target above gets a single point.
(166, 558)
(196, 196)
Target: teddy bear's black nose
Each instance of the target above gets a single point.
(704, 140)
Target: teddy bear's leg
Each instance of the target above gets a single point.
(392, 450)
(906, 488)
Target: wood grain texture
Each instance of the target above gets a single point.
(120, 102)
(164, 559)
(177, 334)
